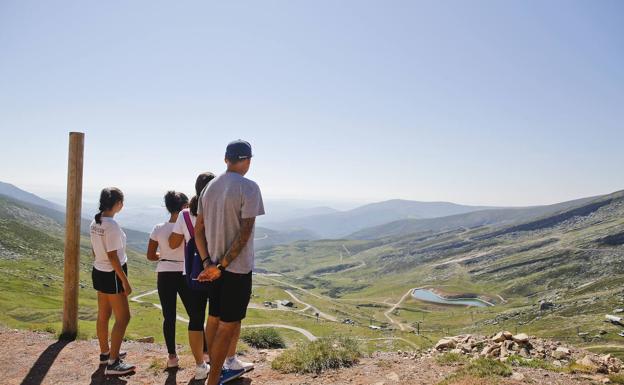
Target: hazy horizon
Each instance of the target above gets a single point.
(156, 200)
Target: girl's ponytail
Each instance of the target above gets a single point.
(108, 199)
(193, 205)
(200, 183)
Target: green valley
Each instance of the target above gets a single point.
(555, 275)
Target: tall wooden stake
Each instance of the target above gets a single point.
(72, 235)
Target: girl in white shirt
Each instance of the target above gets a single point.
(197, 312)
(170, 268)
(110, 279)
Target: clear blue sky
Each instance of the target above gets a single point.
(482, 102)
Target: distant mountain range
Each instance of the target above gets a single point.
(138, 239)
(391, 218)
(342, 223)
(499, 217)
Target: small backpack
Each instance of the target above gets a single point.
(192, 259)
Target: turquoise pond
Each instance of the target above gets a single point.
(429, 296)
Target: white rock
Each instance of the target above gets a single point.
(499, 337)
(445, 343)
(521, 338)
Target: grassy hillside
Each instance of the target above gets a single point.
(31, 280)
(266, 237)
(31, 272)
(572, 259)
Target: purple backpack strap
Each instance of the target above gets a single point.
(189, 224)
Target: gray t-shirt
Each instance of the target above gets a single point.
(224, 202)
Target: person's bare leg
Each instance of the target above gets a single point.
(234, 343)
(219, 349)
(101, 325)
(196, 340)
(119, 303)
(212, 324)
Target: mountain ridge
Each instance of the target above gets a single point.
(497, 216)
(343, 223)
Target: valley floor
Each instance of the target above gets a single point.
(38, 358)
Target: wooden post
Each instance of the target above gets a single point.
(72, 235)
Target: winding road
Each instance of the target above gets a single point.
(306, 333)
(387, 313)
(314, 309)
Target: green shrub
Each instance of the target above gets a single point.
(319, 355)
(617, 378)
(451, 358)
(263, 338)
(575, 367)
(485, 367)
(535, 363)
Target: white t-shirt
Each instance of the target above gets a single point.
(180, 226)
(105, 237)
(160, 234)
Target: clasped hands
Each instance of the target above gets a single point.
(209, 274)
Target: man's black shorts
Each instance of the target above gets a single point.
(229, 296)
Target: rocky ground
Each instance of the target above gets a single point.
(504, 345)
(38, 358)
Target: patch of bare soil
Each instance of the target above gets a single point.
(33, 358)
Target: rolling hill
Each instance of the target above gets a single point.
(31, 269)
(342, 223)
(266, 237)
(499, 217)
(569, 256)
(27, 197)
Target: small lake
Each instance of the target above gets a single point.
(429, 296)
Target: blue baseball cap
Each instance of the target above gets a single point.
(238, 150)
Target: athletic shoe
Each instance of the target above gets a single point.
(104, 357)
(228, 375)
(172, 362)
(118, 368)
(237, 364)
(201, 371)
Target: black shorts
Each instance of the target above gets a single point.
(107, 281)
(229, 297)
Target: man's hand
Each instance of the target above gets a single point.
(209, 274)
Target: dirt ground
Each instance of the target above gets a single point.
(33, 358)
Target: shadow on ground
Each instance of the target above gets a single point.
(98, 378)
(238, 381)
(40, 368)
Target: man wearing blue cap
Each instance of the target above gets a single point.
(224, 234)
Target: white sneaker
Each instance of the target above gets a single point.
(173, 362)
(201, 371)
(237, 364)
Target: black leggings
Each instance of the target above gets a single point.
(170, 284)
